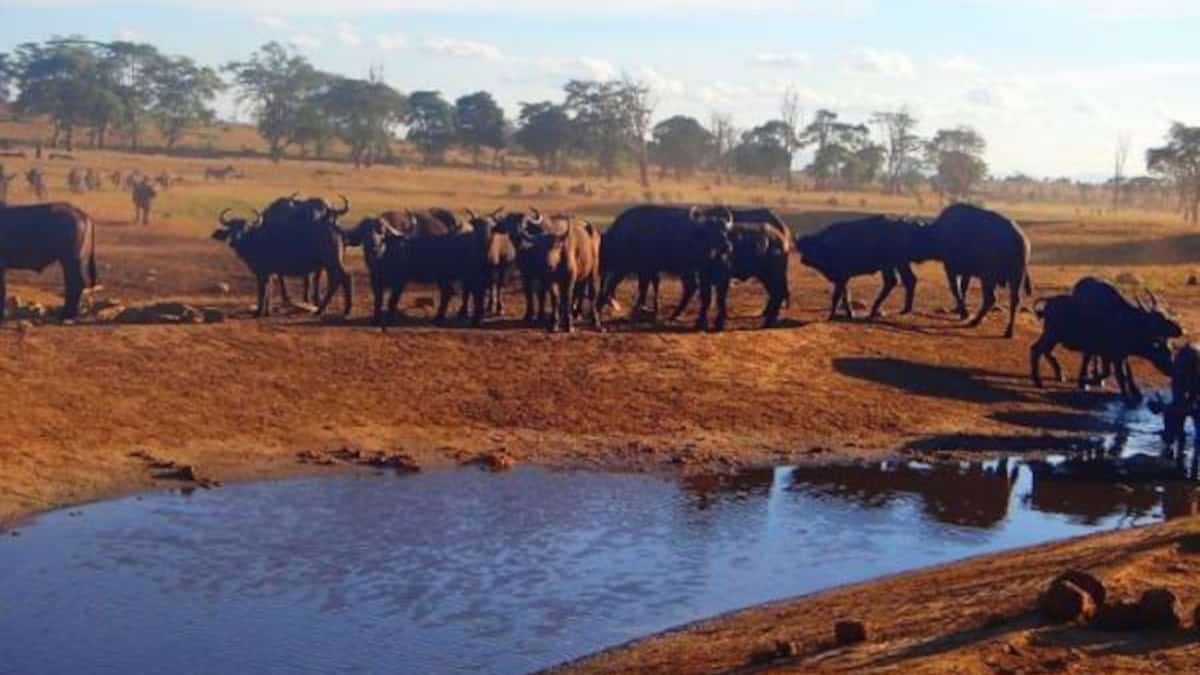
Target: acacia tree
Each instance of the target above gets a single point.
(63, 80)
(479, 123)
(599, 122)
(430, 121)
(762, 151)
(182, 94)
(363, 114)
(544, 130)
(277, 84)
(1179, 162)
(902, 147)
(136, 70)
(6, 76)
(681, 144)
(638, 101)
(957, 157)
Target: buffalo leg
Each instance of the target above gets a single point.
(264, 297)
(639, 308)
(594, 305)
(393, 302)
(957, 292)
(989, 301)
(689, 290)
(847, 302)
(377, 302)
(776, 297)
(705, 300)
(910, 287)
(527, 289)
(839, 290)
(3, 294)
(1014, 304)
(1043, 347)
(445, 290)
(465, 303)
(721, 284)
(889, 283)
(73, 283)
(347, 290)
(478, 291)
(281, 282)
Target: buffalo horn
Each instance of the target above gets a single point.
(221, 218)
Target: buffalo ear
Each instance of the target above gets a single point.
(221, 234)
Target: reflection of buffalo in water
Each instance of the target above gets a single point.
(708, 488)
(1095, 488)
(974, 495)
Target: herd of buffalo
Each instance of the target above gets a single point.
(569, 270)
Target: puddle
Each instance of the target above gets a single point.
(458, 570)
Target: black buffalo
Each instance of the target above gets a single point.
(882, 244)
(693, 244)
(1096, 320)
(976, 243)
(498, 258)
(1185, 399)
(395, 259)
(295, 248)
(288, 211)
(35, 237)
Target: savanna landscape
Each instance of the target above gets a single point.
(167, 379)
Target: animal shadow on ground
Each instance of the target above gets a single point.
(922, 379)
(958, 640)
(1004, 443)
(1107, 643)
(1056, 420)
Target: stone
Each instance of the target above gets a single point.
(1161, 609)
(1063, 602)
(849, 632)
(1089, 583)
(1118, 616)
(212, 315)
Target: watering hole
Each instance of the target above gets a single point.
(464, 571)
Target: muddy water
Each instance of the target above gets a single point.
(461, 571)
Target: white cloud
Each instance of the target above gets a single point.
(304, 41)
(347, 35)
(584, 67)
(464, 49)
(849, 9)
(959, 64)
(882, 62)
(781, 59)
(389, 41)
(272, 22)
(128, 35)
(659, 83)
(1006, 95)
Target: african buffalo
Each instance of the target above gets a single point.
(287, 211)
(395, 259)
(569, 257)
(499, 256)
(1185, 398)
(692, 244)
(143, 194)
(975, 242)
(865, 246)
(297, 248)
(428, 223)
(1096, 320)
(37, 183)
(34, 237)
(523, 231)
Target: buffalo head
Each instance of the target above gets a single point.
(233, 229)
(715, 225)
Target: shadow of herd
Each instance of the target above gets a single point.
(567, 266)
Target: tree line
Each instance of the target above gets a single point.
(98, 89)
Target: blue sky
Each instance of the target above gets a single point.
(1051, 84)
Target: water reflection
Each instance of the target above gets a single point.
(457, 571)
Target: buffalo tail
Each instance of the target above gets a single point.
(1028, 283)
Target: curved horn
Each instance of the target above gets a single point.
(345, 207)
(221, 218)
(471, 214)
(695, 214)
(1153, 299)
(537, 216)
(497, 212)
(293, 196)
(257, 217)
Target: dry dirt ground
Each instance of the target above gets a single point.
(84, 404)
